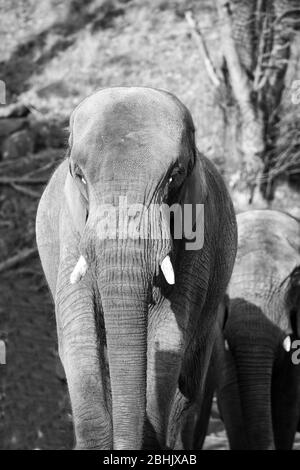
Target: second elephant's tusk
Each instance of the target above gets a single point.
(79, 271)
(287, 343)
(167, 269)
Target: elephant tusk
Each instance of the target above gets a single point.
(226, 345)
(287, 343)
(167, 269)
(79, 271)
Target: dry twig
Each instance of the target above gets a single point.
(26, 191)
(199, 39)
(21, 180)
(18, 258)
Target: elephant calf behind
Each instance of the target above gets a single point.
(259, 374)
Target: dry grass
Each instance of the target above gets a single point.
(126, 43)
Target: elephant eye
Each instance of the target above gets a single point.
(176, 176)
(78, 174)
(178, 170)
(80, 177)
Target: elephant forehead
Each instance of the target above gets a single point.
(272, 232)
(117, 112)
(126, 155)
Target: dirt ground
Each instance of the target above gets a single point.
(35, 411)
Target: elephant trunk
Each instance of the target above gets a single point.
(124, 268)
(253, 342)
(124, 297)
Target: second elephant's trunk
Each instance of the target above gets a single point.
(253, 339)
(254, 369)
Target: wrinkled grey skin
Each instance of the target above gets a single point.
(258, 384)
(135, 349)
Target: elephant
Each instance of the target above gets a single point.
(136, 310)
(257, 377)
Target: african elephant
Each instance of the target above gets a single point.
(136, 313)
(258, 376)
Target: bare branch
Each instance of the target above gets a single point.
(11, 180)
(200, 41)
(16, 259)
(43, 168)
(27, 192)
(252, 139)
(258, 69)
(240, 82)
(288, 14)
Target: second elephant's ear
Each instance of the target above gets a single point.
(223, 311)
(76, 204)
(292, 300)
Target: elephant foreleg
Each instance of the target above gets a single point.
(165, 350)
(82, 355)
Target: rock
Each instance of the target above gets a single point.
(18, 145)
(10, 125)
(14, 110)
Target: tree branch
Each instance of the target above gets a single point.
(258, 68)
(20, 180)
(18, 258)
(200, 41)
(252, 131)
(27, 192)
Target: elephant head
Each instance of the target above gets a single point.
(259, 391)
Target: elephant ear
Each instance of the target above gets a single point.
(195, 185)
(76, 204)
(192, 202)
(292, 300)
(223, 311)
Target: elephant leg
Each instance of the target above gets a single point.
(203, 413)
(81, 351)
(165, 350)
(192, 394)
(195, 428)
(197, 380)
(228, 397)
(80, 342)
(188, 429)
(285, 404)
(231, 413)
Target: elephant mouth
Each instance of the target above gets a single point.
(154, 240)
(81, 268)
